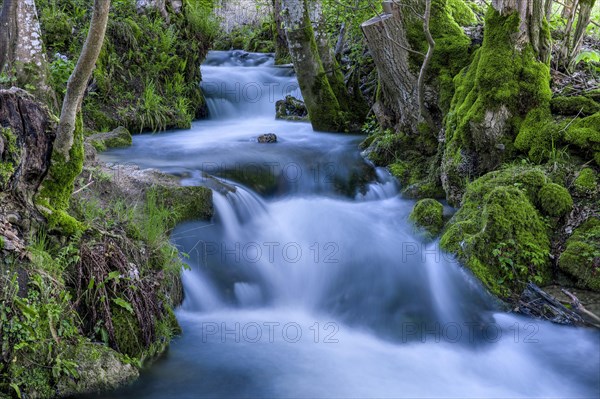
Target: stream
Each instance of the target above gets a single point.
(310, 282)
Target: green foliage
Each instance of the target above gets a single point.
(555, 200)
(253, 38)
(429, 215)
(581, 257)
(499, 213)
(60, 71)
(147, 75)
(38, 326)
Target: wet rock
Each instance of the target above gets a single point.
(291, 109)
(267, 138)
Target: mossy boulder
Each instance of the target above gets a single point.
(581, 257)
(99, 368)
(576, 105)
(429, 215)
(586, 183)
(555, 200)
(120, 137)
(499, 233)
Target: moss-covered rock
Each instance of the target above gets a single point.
(291, 109)
(186, 202)
(98, 369)
(581, 257)
(576, 105)
(120, 137)
(429, 215)
(555, 200)
(586, 183)
(585, 134)
(498, 232)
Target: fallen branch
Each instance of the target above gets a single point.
(576, 304)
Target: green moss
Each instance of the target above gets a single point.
(10, 157)
(55, 193)
(581, 257)
(593, 94)
(555, 200)
(187, 202)
(451, 52)
(576, 105)
(1, 242)
(428, 214)
(586, 182)
(539, 135)
(128, 335)
(120, 137)
(499, 233)
(461, 12)
(585, 134)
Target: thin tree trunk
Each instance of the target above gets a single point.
(324, 110)
(8, 31)
(583, 20)
(80, 77)
(282, 53)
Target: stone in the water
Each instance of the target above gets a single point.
(291, 109)
(267, 138)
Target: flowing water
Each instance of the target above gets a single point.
(310, 281)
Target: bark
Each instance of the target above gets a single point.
(323, 107)
(583, 20)
(281, 46)
(21, 48)
(8, 31)
(532, 14)
(80, 77)
(387, 42)
(425, 114)
(30, 123)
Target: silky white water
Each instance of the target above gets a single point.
(310, 281)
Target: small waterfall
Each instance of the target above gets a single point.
(199, 293)
(384, 187)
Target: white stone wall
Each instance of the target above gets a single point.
(233, 13)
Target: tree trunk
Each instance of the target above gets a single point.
(8, 32)
(21, 48)
(79, 78)
(282, 53)
(387, 42)
(324, 110)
